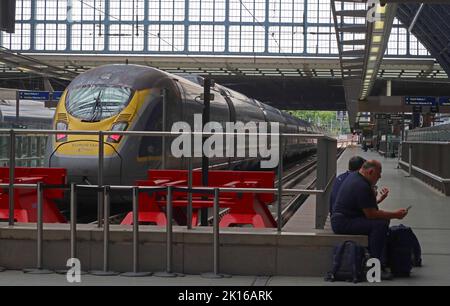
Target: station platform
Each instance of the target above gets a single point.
(428, 217)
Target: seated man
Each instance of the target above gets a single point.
(356, 211)
(354, 164)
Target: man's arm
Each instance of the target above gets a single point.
(373, 213)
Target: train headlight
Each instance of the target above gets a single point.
(61, 126)
(119, 126)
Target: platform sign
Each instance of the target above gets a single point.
(422, 101)
(34, 95)
(444, 101)
(57, 95)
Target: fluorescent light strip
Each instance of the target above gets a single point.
(381, 9)
(379, 25)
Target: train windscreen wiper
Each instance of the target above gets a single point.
(96, 109)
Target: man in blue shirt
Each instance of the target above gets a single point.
(354, 164)
(356, 211)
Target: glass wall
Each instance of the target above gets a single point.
(228, 27)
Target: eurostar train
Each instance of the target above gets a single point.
(128, 98)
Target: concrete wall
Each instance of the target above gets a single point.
(242, 251)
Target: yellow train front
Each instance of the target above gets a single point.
(113, 98)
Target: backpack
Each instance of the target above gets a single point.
(403, 250)
(349, 262)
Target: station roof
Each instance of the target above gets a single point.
(432, 28)
(315, 83)
(68, 66)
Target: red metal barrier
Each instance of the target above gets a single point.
(244, 208)
(25, 199)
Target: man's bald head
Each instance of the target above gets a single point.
(371, 170)
(370, 164)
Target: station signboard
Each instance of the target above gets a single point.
(34, 95)
(427, 101)
(57, 95)
(39, 95)
(421, 101)
(444, 101)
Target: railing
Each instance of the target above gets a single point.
(409, 165)
(430, 134)
(326, 170)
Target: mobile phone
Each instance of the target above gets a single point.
(408, 208)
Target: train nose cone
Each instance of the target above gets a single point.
(84, 169)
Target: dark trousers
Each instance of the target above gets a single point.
(376, 229)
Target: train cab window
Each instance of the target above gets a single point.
(95, 103)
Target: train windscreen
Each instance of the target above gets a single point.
(96, 102)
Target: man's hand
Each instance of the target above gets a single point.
(401, 213)
(384, 192)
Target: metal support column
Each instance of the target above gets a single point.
(409, 160)
(17, 107)
(136, 272)
(100, 195)
(280, 183)
(40, 235)
(73, 221)
(39, 151)
(331, 174)
(189, 206)
(322, 175)
(205, 159)
(106, 210)
(12, 167)
(73, 227)
(216, 240)
(169, 238)
(29, 151)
